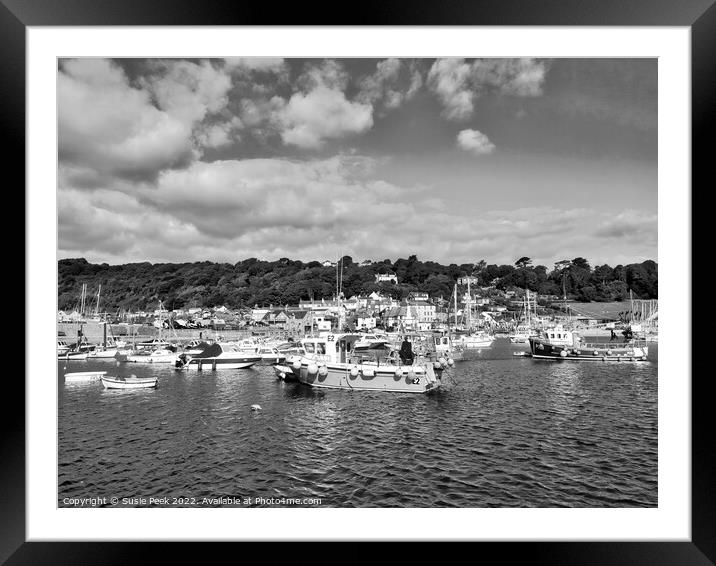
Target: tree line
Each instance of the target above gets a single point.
(138, 286)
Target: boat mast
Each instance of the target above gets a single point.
(96, 310)
(455, 293)
(469, 306)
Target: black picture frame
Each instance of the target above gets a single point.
(698, 15)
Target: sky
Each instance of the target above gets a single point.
(452, 160)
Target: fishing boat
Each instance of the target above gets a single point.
(62, 348)
(218, 356)
(331, 362)
(445, 347)
(83, 376)
(560, 344)
(131, 382)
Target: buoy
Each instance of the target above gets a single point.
(323, 371)
(398, 372)
(563, 353)
(255, 407)
(451, 362)
(282, 375)
(609, 352)
(443, 361)
(595, 353)
(354, 371)
(296, 364)
(312, 368)
(436, 365)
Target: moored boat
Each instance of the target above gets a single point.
(331, 362)
(157, 356)
(83, 376)
(73, 355)
(218, 356)
(131, 382)
(560, 344)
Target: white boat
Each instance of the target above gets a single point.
(72, 355)
(373, 340)
(195, 347)
(446, 348)
(475, 340)
(131, 382)
(218, 356)
(82, 376)
(103, 353)
(270, 355)
(153, 357)
(154, 344)
(331, 362)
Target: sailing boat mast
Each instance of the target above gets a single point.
(469, 306)
(96, 309)
(455, 294)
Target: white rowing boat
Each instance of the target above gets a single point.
(78, 376)
(131, 382)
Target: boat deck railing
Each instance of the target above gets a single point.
(614, 345)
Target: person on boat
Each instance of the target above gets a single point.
(406, 352)
(614, 335)
(628, 335)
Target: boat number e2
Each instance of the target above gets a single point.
(416, 380)
(331, 338)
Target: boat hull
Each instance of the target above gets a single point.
(73, 356)
(151, 359)
(140, 383)
(212, 364)
(83, 376)
(103, 354)
(607, 352)
(365, 377)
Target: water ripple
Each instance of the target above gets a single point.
(504, 432)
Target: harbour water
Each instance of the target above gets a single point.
(504, 431)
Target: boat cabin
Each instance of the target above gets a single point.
(559, 336)
(332, 348)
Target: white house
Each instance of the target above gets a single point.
(385, 277)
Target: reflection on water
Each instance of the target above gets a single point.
(504, 431)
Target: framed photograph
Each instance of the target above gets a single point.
(399, 274)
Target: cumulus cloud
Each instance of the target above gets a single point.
(111, 126)
(260, 64)
(308, 119)
(450, 80)
(270, 208)
(393, 82)
(458, 83)
(474, 142)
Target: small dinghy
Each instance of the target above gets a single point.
(81, 376)
(131, 382)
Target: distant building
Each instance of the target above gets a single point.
(385, 277)
(328, 263)
(418, 296)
